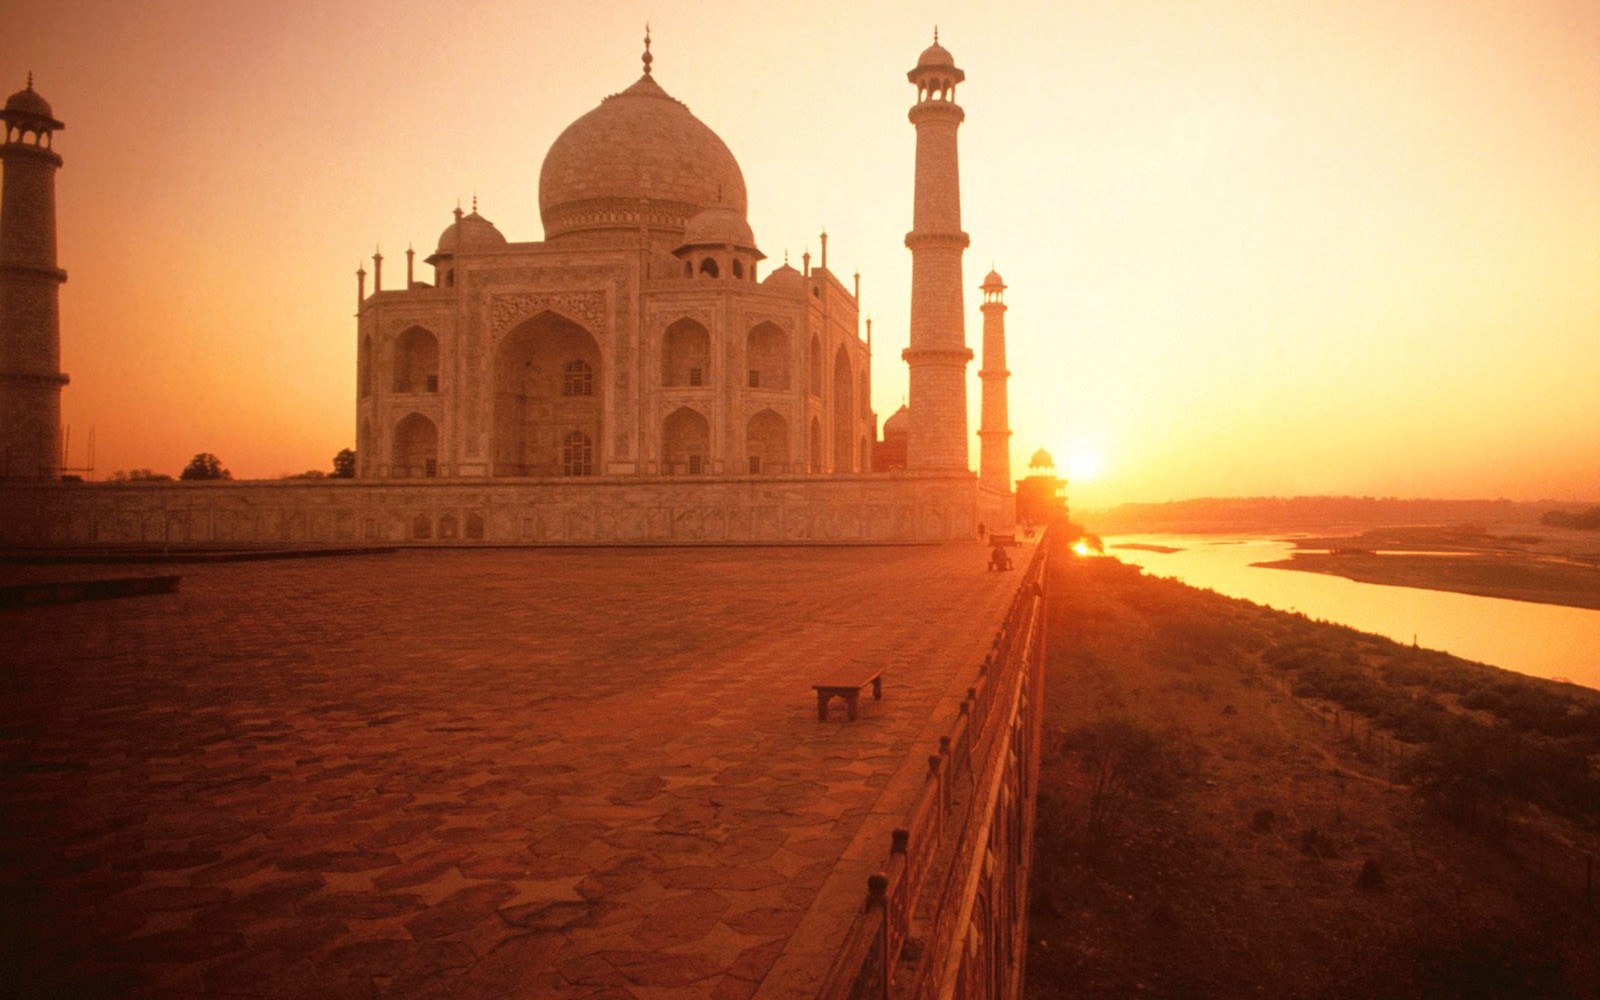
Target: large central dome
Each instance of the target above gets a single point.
(640, 158)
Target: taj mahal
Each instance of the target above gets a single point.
(640, 374)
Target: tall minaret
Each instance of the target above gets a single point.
(994, 434)
(30, 286)
(938, 355)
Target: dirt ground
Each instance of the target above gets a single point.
(1234, 866)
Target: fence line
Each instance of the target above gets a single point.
(928, 883)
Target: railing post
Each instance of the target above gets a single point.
(878, 896)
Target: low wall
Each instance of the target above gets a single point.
(955, 878)
(884, 508)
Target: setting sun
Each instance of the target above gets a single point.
(1084, 465)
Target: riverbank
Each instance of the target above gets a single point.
(1260, 838)
(1520, 562)
(1509, 576)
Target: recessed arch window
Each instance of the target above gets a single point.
(415, 451)
(767, 355)
(577, 378)
(532, 411)
(685, 442)
(738, 269)
(416, 361)
(767, 442)
(685, 354)
(708, 267)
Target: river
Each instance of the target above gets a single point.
(1544, 640)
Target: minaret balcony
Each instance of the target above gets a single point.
(947, 241)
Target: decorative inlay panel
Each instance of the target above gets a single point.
(588, 308)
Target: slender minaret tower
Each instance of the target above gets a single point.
(30, 286)
(938, 355)
(994, 434)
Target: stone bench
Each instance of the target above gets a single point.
(847, 683)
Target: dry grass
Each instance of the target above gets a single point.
(1239, 878)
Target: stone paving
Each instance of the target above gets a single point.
(492, 773)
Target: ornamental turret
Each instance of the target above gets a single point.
(30, 288)
(938, 354)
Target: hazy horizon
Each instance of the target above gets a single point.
(1252, 251)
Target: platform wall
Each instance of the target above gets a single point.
(882, 508)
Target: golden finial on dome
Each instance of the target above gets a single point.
(648, 58)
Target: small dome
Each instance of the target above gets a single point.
(992, 282)
(469, 232)
(899, 422)
(936, 55)
(785, 275)
(28, 103)
(1041, 460)
(638, 158)
(718, 226)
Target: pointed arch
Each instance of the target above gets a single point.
(685, 443)
(415, 453)
(541, 367)
(815, 360)
(415, 361)
(766, 353)
(767, 443)
(814, 453)
(686, 354)
(844, 412)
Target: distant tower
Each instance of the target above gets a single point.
(994, 434)
(30, 286)
(938, 354)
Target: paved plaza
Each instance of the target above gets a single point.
(469, 773)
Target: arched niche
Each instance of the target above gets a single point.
(767, 357)
(540, 368)
(814, 452)
(844, 412)
(815, 367)
(415, 453)
(686, 354)
(416, 361)
(685, 443)
(767, 443)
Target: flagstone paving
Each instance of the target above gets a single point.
(470, 774)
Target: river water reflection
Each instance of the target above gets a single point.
(1544, 640)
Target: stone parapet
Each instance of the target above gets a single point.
(946, 915)
(844, 509)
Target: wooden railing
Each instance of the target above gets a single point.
(910, 939)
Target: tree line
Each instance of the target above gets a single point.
(208, 467)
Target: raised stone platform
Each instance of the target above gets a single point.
(499, 773)
(671, 510)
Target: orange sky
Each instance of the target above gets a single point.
(1252, 247)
